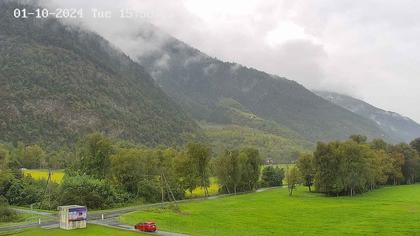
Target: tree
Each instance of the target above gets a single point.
(327, 166)
(251, 167)
(352, 167)
(60, 159)
(355, 170)
(88, 191)
(382, 167)
(34, 157)
(358, 138)
(24, 191)
(170, 184)
(411, 161)
(200, 155)
(292, 178)
(228, 169)
(16, 156)
(95, 152)
(4, 158)
(379, 144)
(183, 168)
(127, 169)
(306, 170)
(416, 145)
(395, 174)
(272, 176)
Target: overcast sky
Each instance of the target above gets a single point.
(369, 49)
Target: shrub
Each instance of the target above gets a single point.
(88, 191)
(6, 214)
(272, 176)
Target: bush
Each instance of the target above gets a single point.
(6, 214)
(272, 176)
(88, 191)
(24, 191)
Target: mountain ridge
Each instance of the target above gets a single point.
(391, 122)
(198, 82)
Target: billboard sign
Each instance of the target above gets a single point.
(77, 214)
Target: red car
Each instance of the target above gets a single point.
(146, 226)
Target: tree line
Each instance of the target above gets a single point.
(357, 166)
(102, 173)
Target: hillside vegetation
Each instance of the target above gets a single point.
(394, 124)
(200, 84)
(270, 146)
(59, 82)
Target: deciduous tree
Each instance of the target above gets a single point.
(306, 169)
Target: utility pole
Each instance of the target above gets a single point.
(170, 190)
(46, 189)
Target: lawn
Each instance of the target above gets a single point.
(91, 230)
(386, 211)
(57, 175)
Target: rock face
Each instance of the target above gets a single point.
(398, 127)
(58, 82)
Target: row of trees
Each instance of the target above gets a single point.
(238, 170)
(101, 173)
(35, 157)
(356, 166)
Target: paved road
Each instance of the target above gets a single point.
(28, 211)
(110, 216)
(27, 226)
(114, 223)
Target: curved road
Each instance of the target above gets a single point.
(107, 218)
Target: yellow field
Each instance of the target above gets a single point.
(56, 176)
(199, 192)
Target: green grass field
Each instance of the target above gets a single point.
(386, 211)
(91, 230)
(57, 175)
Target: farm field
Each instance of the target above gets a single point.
(199, 191)
(57, 175)
(386, 211)
(91, 230)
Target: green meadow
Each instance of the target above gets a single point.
(91, 230)
(386, 211)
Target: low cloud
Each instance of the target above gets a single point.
(368, 49)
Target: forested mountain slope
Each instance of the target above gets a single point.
(201, 84)
(395, 125)
(58, 82)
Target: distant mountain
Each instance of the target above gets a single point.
(202, 85)
(58, 82)
(395, 125)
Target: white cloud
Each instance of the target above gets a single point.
(364, 48)
(286, 31)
